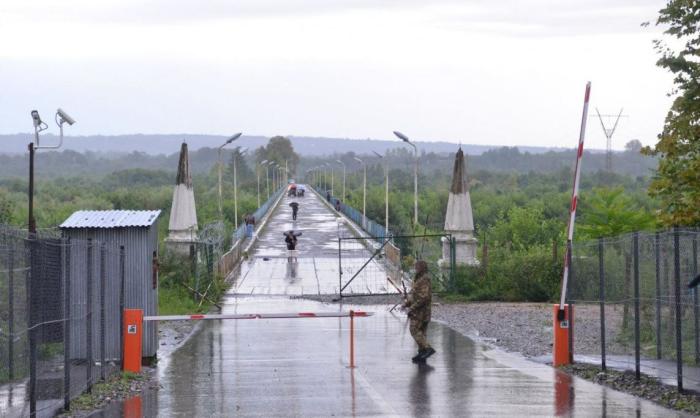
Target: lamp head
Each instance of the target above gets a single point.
(378, 154)
(358, 160)
(401, 136)
(233, 138)
(338, 161)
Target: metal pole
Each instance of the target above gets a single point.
(257, 171)
(122, 289)
(340, 270)
(220, 198)
(31, 222)
(415, 188)
(32, 332)
(570, 254)
(352, 339)
(601, 277)
(89, 305)
(364, 194)
(267, 181)
(332, 181)
(103, 285)
(657, 256)
(695, 300)
(235, 190)
(677, 291)
(67, 326)
(11, 312)
(386, 200)
(637, 346)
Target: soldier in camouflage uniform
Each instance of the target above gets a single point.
(418, 305)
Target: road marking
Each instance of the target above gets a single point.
(386, 409)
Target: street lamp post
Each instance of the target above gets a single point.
(240, 152)
(343, 164)
(386, 193)
(364, 189)
(265, 163)
(228, 141)
(405, 139)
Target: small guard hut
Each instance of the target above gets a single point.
(108, 230)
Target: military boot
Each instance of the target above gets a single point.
(418, 358)
(424, 354)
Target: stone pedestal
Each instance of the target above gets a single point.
(465, 250)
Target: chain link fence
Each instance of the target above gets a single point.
(60, 322)
(635, 287)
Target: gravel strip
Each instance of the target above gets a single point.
(647, 387)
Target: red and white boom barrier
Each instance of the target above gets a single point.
(134, 318)
(563, 314)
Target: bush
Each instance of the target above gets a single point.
(518, 276)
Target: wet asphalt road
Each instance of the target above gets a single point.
(299, 367)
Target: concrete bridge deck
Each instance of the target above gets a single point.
(299, 367)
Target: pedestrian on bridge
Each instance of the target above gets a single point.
(249, 225)
(295, 209)
(418, 304)
(290, 238)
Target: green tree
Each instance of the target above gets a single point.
(608, 212)
(279, 149)
(677, 182)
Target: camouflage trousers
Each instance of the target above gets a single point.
(419, 329)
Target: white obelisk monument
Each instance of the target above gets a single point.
(182, 230)
(459, 221)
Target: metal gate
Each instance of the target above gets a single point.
(388, 269)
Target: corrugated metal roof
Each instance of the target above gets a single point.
(111, 218)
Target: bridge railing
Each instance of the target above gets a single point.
(374, 229)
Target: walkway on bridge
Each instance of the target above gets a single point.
(315, 270)
(299, 367)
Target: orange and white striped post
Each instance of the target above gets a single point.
(563, 321)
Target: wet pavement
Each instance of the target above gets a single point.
(314, 267)
(299, 367)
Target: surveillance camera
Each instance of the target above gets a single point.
(36, 118)
(64, 116)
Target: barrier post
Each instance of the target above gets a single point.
(132, 337)
(352, 339)
(561, 349)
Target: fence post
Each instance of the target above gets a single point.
(67, 327)
(453, 263)
(696, 320)
(103, 284)
(635, 252)
(340, 271)
(32, 241)
(601, 277)
(89, 304)
(11, 312)
(677, 291)
(657, 250)
(571, 303)
(122, 289)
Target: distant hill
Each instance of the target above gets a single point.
(170, 143)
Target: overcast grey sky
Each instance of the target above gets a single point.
(510, 72)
